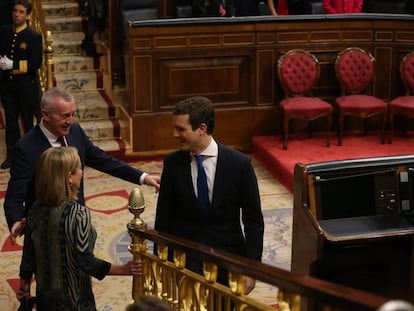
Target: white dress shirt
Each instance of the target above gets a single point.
(209, 162)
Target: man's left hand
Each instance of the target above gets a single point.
(17, 229)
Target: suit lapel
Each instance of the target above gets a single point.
(187, 172)
(219, 178)
(44, 142)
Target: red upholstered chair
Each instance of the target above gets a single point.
(355, 71)
(404, 105)
(298, 72)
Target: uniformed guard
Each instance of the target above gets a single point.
(20, 58)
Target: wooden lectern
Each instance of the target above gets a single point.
(353, 224)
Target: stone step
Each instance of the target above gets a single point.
(66, 9)
(113, 145)
(62, 64)
(65, 44)
(67, 48)
(64, 24)
(102, 129)
(80, 75)
(62, 2)
(116, 147)
(74, 36)
(79, 81)
(93, 105)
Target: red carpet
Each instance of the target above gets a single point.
(268, 150)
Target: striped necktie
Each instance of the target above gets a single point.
(61, 140)
(202, 188)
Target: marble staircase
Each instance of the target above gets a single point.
(87, 78)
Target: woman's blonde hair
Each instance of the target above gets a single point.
(52, 176)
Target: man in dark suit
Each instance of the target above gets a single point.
(233, 192)
(56, 128)
(21, 56)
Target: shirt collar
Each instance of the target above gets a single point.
(211, 150)
(50, 137)
(21, 28)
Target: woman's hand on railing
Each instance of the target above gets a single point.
(249, 284)
(132, 267)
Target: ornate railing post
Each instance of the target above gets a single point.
(37, 22)
(49, 60)
(136, 206)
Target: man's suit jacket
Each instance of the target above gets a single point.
(20, 193)
(235, 191)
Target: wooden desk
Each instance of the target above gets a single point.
(366, 228)
(371, 252)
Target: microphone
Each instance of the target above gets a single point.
(136, 206)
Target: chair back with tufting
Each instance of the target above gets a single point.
(407, 73)
(298, 72)
(403, 106)
(355, 70)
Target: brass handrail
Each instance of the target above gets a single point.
(37, 22)
(184, 290)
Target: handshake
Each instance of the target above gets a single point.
(6, 63)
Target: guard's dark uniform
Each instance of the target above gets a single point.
(19, 87)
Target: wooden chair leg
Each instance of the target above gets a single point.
(328, 129)
(340, 129)
(285, 131)
(310, 129)
(365, 125)
(391, 125)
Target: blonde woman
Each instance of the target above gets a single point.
(59, 239)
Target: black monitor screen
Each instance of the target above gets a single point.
(355, 194)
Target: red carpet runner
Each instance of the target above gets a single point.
(268, 150)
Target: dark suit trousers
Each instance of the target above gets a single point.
(20, 98)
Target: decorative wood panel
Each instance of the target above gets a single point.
(141, 71)
(223, 79)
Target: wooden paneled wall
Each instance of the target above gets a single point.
(233, 62)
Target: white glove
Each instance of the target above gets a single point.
(6, 63)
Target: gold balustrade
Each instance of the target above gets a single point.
(37, 22)
(185, 290)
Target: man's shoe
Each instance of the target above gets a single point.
(5, 164)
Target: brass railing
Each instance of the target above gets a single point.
(37, 22)
(185, 290)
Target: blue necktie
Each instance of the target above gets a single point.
(202, 187)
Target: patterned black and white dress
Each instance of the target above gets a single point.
(58, 251)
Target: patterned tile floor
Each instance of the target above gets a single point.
(107, 197)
